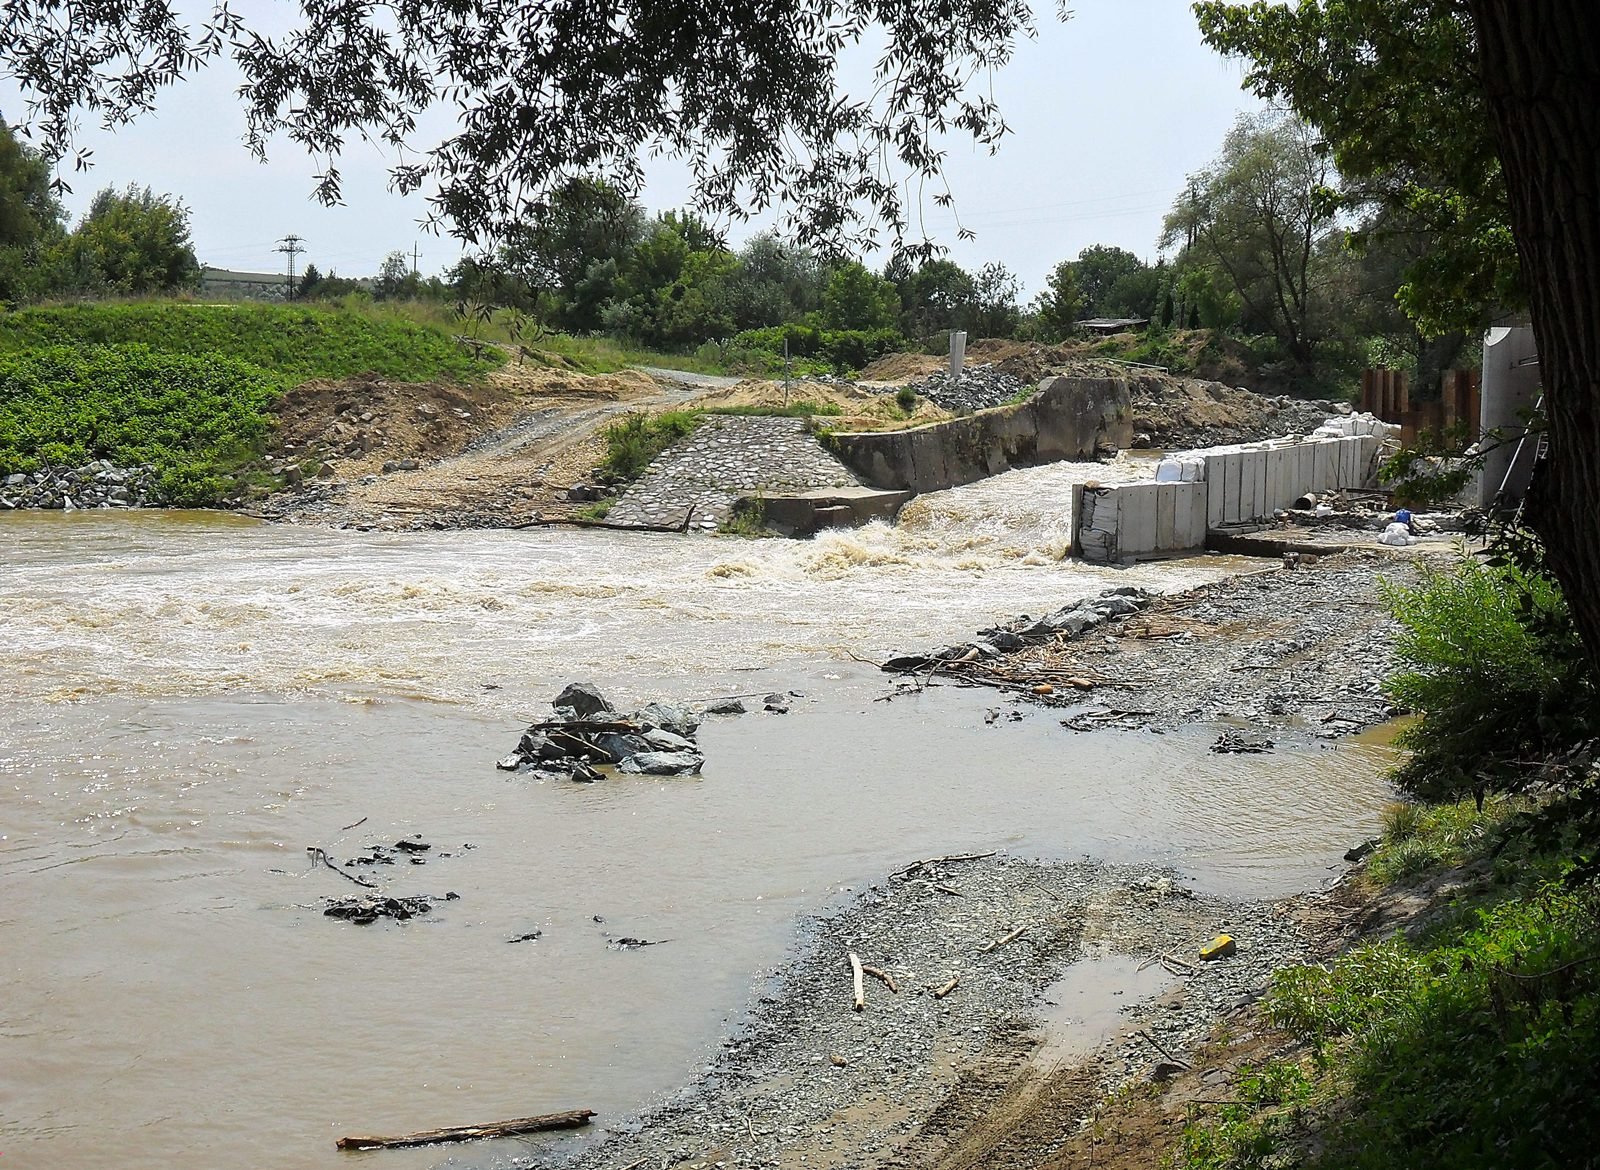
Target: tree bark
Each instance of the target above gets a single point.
(1541, 77)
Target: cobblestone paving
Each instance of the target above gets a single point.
(729, 457)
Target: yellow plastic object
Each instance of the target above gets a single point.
(1222, 945)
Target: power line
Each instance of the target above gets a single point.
(290, 247)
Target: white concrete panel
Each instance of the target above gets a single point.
(1166, 514)
(1327, 469)
(1194, 534)
(1235, 510)
(1138, 515)
(1258, 484)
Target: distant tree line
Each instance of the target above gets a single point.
(1266, 245)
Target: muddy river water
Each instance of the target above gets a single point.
(190, 701)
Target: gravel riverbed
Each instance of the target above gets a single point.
(808, 1081)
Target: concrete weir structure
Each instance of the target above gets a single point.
(1068, 419)
(1218, 487)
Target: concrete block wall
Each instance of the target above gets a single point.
(1115, 522)
(1236, 485)
(1249, 483)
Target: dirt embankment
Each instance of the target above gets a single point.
(1170, 411)
(401, 455)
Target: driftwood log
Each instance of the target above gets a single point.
(883, 977)
(855, 978)
(927, 861)
(1000, 942)
(571, 1119)
(946, 988)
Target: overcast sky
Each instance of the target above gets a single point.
(1110, 112)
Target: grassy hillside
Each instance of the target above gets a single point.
(295, 342)
(188, 388)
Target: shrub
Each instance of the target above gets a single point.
(1494, 670)
(635, 440)
(906, 399)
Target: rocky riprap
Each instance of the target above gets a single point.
(726, 459)
(978, 388)
(1021, 632)
(655, 740)
(99, 484)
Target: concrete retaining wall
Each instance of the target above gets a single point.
(1069, 419)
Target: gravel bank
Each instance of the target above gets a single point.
(809, 1081)
(1296, 652)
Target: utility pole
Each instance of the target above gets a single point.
(414, 258)
(290, 247)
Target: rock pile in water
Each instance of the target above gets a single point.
(1070, 621)
(586, 732)
(978, 388)
(100, 484)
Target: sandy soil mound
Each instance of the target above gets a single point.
(903, 367)
(859, 409)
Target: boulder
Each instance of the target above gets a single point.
(618, 746)
(663, 764)
(583, 700)
(662, 740)
(677, 720)
(724, 707)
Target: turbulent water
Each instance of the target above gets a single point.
(193, 700)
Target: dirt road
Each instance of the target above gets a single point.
(531, 434)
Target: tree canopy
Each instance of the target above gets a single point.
(749, 94)
(1392, 88)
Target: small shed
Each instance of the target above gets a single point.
(1109, 325)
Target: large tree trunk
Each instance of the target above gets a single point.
(1541, 75)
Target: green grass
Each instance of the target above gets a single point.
(793, 410)
(296, 342)
(633, 441)
(189, 388)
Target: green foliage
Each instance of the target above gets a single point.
(1247, 1134)
(1390, 87)
(1421, 838)
(906, 399)
(857, 300)
(1060, 304)
(1097, 270)
(1494, 669)
(30, 219)
(297, 342)
(935, 296)
(993, 311)
(749, 518)
(842, 351)
(1257, 222)
(131, 242)
(633, 441)
(195, 418)
(1473, 1051)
